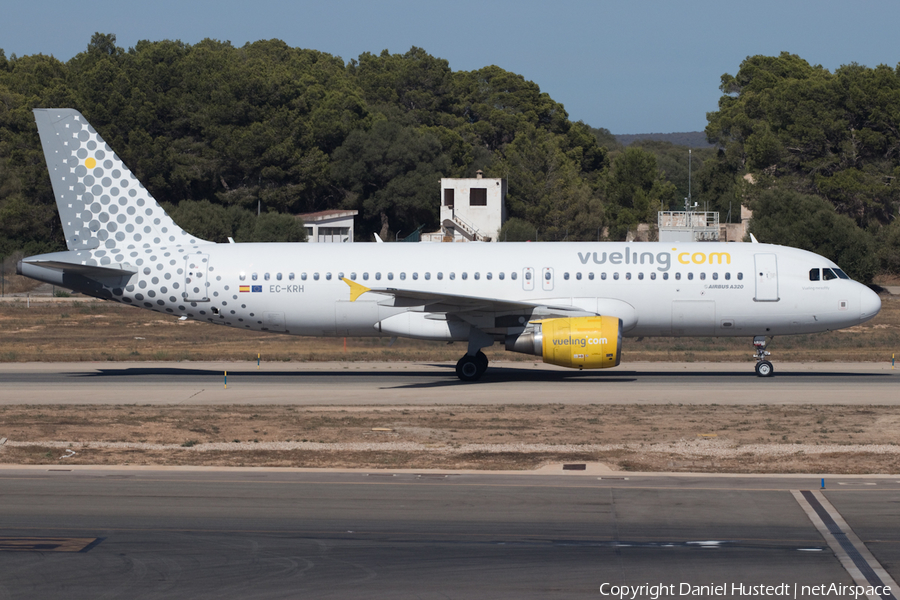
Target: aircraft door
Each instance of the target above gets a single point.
(766, 275)
(547, 279)
(196, 269)
(528, 279)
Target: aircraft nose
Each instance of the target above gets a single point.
(869, 304)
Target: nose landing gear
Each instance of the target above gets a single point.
(763, 367)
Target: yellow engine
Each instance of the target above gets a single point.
(578, 343)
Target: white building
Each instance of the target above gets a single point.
(329, 226)
(471, 210)
(688, 226)
(701, 226)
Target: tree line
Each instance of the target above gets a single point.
(218, 133)
(815, 154)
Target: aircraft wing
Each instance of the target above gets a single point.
(434, 302)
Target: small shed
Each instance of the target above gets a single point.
(329, 226)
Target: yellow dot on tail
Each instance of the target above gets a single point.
(90, 163)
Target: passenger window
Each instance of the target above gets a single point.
(527, 275)
(702, 276)
(616, 275)
(427, 276)
(278, 277)
(578, 276)
(513, 275)
(641, 276)
(547, 275)
(266, 276)
(316, 276)
(303, 276)
(828, 275)
(452, 275)
(715, 276)
(328, 276)
(477, 276)
(677, 275)
(603, 276)
(565, 276)
(440, 275)
(740, 276)
(290, 276)
(390, 276)
(415, 276)
(353, 276)
(365, 276)
(501, 275)
(242, 276)
(378, 276)
(591, 275)
(253, 277)
(727, 276)
(465, 275)
(488, 276)
(340, 276)
(665, 276)
(653, 276)
(690, 275)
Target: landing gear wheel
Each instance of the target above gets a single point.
(471, 368)
(764, 368)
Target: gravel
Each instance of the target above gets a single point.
(703, 448)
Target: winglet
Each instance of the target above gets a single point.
(378, 239)
(356, 289)
(753, 239)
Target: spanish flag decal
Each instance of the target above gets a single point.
(245, 288)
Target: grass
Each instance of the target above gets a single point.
(104, 331)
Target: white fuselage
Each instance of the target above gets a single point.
(703, 289)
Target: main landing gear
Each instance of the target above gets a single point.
(471, 368)
(763, 367)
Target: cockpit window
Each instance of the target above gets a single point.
(841, 274)
(828, 275)
(813, 274)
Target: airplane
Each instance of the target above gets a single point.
(571, 303)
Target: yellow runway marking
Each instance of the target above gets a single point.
(47, 544)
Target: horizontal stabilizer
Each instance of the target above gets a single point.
(92, 271)
(67, 269)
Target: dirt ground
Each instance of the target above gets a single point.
(742, 439)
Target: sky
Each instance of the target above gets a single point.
(637, 66)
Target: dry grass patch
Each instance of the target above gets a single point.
(755, 439)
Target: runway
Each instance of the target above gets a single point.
(422, 384)
(291, 534)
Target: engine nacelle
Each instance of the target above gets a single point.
(578, 343)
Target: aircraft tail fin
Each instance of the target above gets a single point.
(101, 203)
